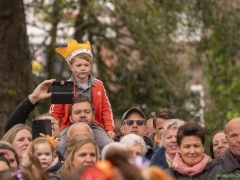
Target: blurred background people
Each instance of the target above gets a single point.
(4, 164)
(218, 144)
(159, 118)
(134, 144)
(7, 150)
(19, 136)
(112, 147)
(163, 157)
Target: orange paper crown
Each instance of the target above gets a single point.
(52, 141)
(74, 48)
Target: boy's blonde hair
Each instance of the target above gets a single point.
(82, 56)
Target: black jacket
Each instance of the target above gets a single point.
(20, 114)
(230, 166)
(149, 144)
(210, 172)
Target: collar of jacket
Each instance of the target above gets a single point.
(229, 161)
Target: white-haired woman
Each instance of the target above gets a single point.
(112, 147)
(134, 144)
(163, 157)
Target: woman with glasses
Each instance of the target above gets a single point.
(163, 157)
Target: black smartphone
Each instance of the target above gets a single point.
(41, 126)
(62, 92)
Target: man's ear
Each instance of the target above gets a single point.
(122, 129)
(146, 132)
(226, 138)
(70, 117)
(93, 111)
(154, 129)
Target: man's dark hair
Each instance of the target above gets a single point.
(82, 99)
(162, 113)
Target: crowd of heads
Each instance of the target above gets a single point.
(175, 135)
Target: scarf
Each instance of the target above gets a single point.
(55, 161)
(181, 167)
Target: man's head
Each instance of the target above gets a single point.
(133, 121)
(82, 110)
(54, 123)
(232, 130)
(160, 117)
(149, 129)
(79, 128)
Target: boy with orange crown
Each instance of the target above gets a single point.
(79, 57)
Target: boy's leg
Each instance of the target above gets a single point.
(101, 136)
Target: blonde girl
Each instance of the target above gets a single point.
(44, 149)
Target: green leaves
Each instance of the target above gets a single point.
(11, 93)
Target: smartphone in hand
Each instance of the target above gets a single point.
(62, 92)
(41, 126)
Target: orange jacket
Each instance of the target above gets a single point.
(103, 109)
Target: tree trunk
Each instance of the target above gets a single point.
(16, 77)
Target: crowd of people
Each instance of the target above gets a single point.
(83, 144)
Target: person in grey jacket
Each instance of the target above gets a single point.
(191, 162)
(230, 160)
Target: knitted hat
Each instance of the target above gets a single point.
(74, 48)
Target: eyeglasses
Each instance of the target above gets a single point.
(131, 122)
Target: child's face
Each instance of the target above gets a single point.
(44, 154)
(81, 68)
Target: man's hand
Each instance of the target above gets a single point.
(41, 91)
(111, 134)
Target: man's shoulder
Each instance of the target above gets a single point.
(228, 162)
(64, 131)
(149, 142)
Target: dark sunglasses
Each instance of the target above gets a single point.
(131, 122)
